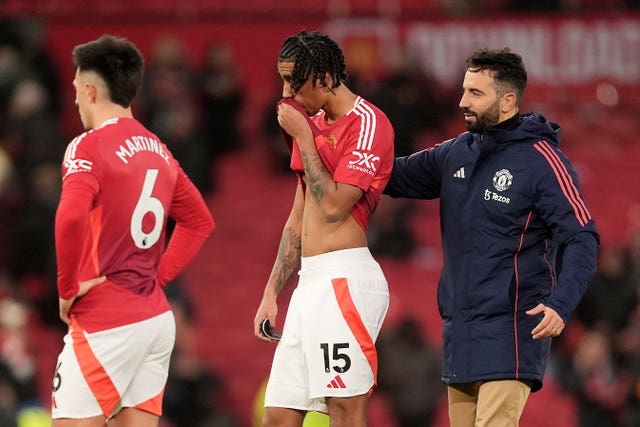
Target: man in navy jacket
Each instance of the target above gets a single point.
(520, 245)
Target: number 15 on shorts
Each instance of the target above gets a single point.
(341, 361)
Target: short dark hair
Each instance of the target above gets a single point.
(506, 67)
(313, 53)
(118, 61)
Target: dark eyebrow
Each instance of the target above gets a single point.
(472, 89)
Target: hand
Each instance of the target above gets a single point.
(65, 307)
(268, 309)
(86, 285)
(83, 288)
(551, 324)
(293, 122)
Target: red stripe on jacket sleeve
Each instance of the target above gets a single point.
(565, 181)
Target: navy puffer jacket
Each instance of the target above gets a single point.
(516, 232)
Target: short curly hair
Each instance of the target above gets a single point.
(506, 67)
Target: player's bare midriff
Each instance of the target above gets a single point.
(319, 236)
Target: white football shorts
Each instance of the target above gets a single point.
(102, 372)
(328, 339)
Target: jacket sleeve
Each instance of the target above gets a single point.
(194, 224)
(563, 208)
(418, 176)
(577, 258)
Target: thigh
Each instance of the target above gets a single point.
(84, 422)
(95, 371)
(146, 388)
(282, 417)
(463, 399)
(339, 334)
(500, 403)
(288, 383)
(131, 417)
(348, 411)
(328, 341)
(83, 387)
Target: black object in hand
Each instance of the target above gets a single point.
(265, 329)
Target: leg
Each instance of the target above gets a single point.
(462, 404)
(282, 417)
(348, 411)
(132, 417)
(500, 403)
(79, 422)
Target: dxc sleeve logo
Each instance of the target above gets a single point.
(77, 165)
(365, 162)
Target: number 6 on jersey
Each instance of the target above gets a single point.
(147, 204)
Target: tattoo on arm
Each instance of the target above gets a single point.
(317, 175)
(288, 257)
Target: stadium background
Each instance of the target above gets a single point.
(584, 71)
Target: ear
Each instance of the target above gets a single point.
(328, 81)
(92, 92)
(508, 102)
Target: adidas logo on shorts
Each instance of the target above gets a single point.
(336, 383)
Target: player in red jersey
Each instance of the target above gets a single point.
(342, 152)
(120, 183)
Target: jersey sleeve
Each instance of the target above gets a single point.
(79, 158)
(563, 208)
(71, 224)
(368, 147)
(194, 224)
(80, 186)
(295, 163)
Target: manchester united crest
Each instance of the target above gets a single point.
(502, 179)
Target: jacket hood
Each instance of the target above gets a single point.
(533, 126)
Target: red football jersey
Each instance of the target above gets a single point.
(357, 149)
(126, 183)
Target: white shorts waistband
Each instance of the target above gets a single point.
(336, 258)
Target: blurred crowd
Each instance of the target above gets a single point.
(195, 110)
(597, 359)
(325, 8)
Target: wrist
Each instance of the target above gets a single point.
(270, 293)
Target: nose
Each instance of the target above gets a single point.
(287, 92)
(464, 101)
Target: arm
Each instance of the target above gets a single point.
(193, 225)
(334, 199)
(71, 225)
(71, 229)
(286, 262)
(418, 176)
(562, 207)
(578, 257)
